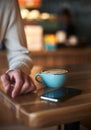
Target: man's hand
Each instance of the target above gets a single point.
(18, 82)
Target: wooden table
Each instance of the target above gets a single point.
(34, 112)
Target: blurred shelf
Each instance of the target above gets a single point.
(49, 26)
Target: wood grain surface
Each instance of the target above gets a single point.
(32, 111)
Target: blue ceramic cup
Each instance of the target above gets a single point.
(53, 78)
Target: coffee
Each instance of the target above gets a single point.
(56, 71)
(52, 78)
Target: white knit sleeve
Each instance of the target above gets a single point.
(15, 41)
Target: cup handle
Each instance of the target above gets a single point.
(36, 78)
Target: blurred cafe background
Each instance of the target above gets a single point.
(57, 31)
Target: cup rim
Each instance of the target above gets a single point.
(66, 71)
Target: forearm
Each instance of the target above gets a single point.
(15, 41)
(20, 60)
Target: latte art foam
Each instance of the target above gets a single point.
(56, 71)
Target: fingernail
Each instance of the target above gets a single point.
(13, 95)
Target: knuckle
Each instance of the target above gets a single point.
(4, 77)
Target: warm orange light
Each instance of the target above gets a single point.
(30, 3)
(21, 2)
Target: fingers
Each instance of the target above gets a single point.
(28, 86)
(16, 82)
(23, 83)
(19, 81)
(23, 87)
(6, 81)
(32, 88)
